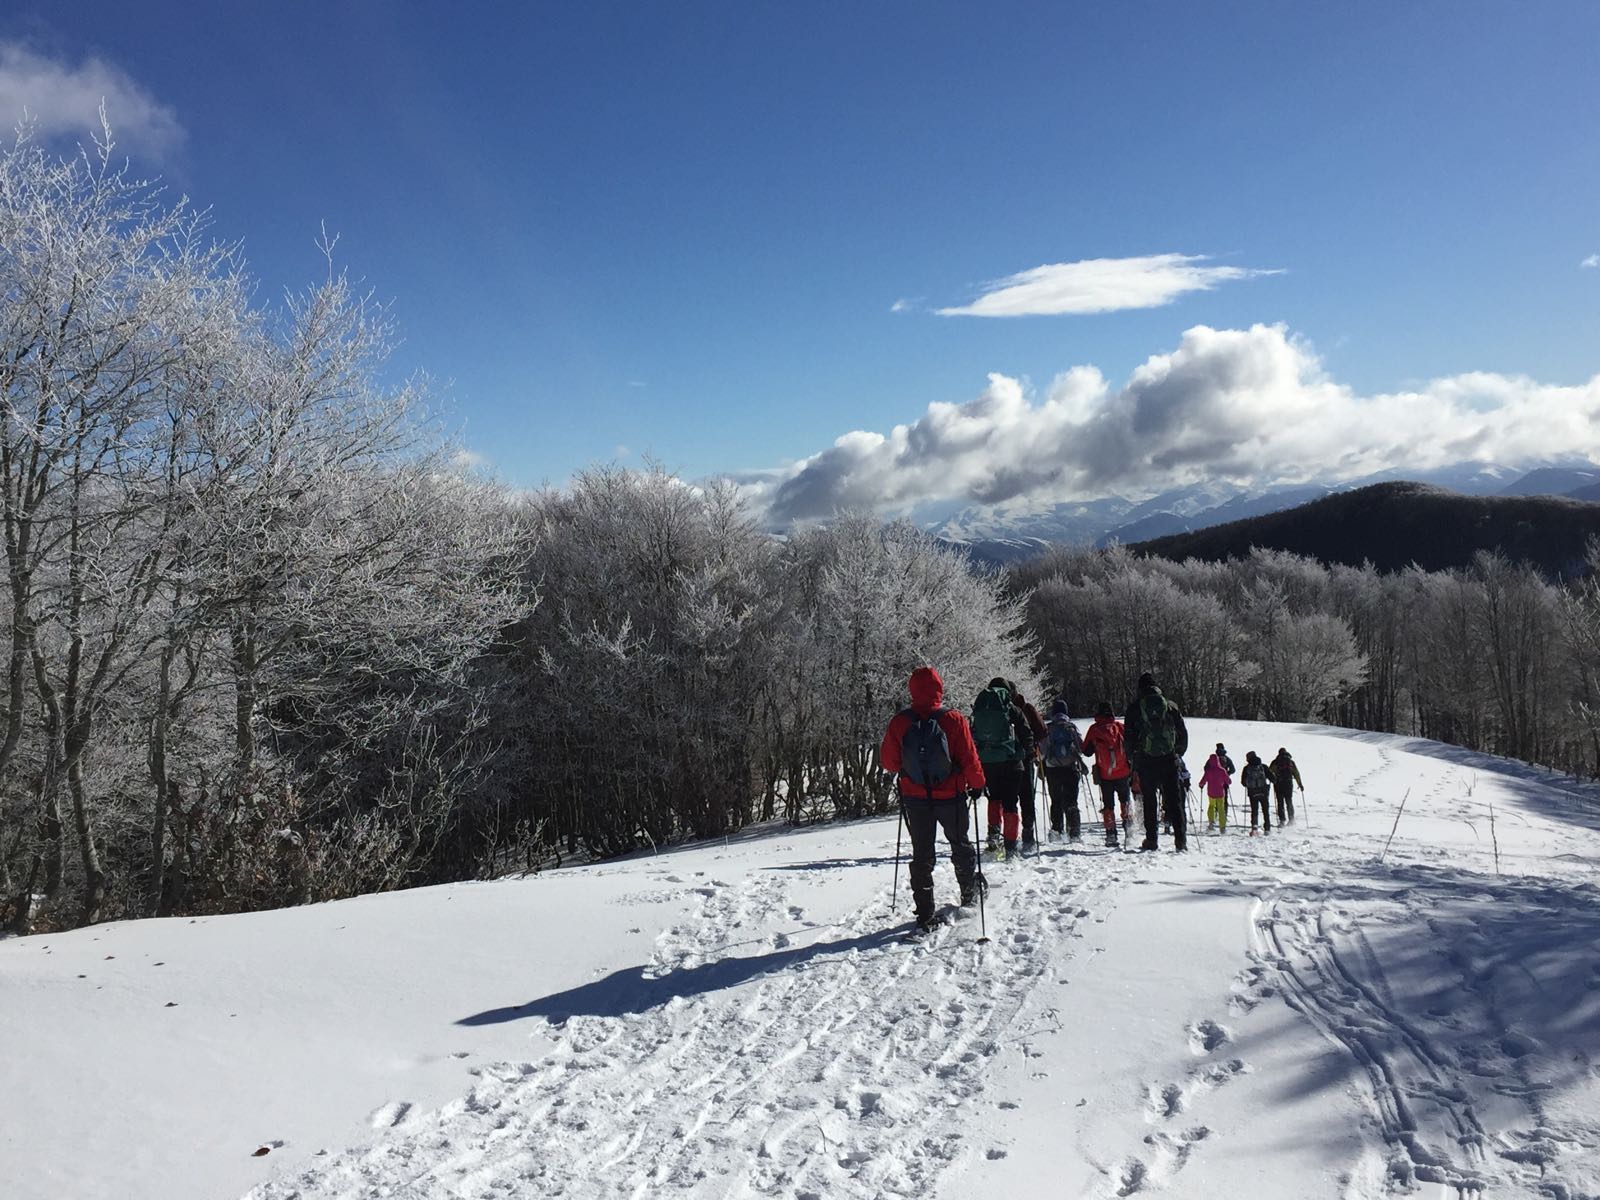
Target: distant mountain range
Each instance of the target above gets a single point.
(1010, 533)
(1393, 525)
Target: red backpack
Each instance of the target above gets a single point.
(1109, 755)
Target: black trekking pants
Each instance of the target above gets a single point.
(1063, 785)
(1285, 794)
(1259, 805)
(1160, 791)
(923, 818)
(1111, 791)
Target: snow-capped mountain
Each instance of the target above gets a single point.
(1015, 530)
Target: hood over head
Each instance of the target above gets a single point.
(1058, 709)
(927, 689)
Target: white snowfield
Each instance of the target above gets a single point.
(1283, 1016)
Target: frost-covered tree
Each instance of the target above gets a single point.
(201, 500)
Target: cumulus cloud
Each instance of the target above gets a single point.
(1251, 406)
(1098, 285)
(1592, 261)
(64, 101)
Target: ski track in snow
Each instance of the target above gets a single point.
(846, 1064)
(1432, 1074)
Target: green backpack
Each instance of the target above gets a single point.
(991, 726)
(1158, 733)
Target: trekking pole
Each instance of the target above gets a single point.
(977, 874)
(1305, 808)
(1040, 806)
(899, 830)
(1396, 824)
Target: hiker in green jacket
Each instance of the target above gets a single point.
(1156, 732)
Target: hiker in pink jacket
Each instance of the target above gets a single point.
(1214, 782)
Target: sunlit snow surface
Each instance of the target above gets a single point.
(1264, 1017)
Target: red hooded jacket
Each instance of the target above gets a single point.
(966, 772)
(1103, 743)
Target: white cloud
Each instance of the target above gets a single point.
(1098, 285)
(901, 305)
(468, 460)
(64, 101)
(1252, 406)
(1592, 261)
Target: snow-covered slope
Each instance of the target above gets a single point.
(1283, 1016)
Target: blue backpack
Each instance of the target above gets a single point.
(925, 751)
(1063, 747)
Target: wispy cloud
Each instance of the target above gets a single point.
(901, 305)
(1249, 405)
(1099, 285)
(64, 101)
(1592, 261)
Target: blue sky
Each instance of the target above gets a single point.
(722, 233)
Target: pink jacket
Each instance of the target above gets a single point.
(1214, 779)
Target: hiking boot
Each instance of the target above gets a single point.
(931, 920)
(1053, 837)
(1148, 845)
(1113, 840)
(972, 889)
(1076, 839)
(1010, 849)
(1029, 846)
(994, 839)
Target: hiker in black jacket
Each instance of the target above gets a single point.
(1257, 781)
(1158, 738)
(1285, 775)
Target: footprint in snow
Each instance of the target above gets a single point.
(390, 1114)
(1164, 1102)
(1206, 1036)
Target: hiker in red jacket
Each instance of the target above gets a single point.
(929, 749)
(1112, 771)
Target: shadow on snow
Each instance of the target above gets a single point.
(630, 991)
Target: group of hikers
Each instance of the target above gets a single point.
(942, 760)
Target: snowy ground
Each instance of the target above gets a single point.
(1273, 1017)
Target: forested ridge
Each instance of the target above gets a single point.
(1402, 524)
